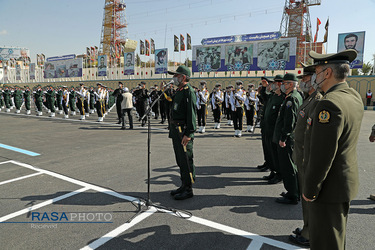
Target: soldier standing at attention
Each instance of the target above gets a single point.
(202, 98)
(72, 101)
(27, 98)
(38, 95)
(284, 137)
(17, 95)
(331, 176)
(181, 130)
(312, 97)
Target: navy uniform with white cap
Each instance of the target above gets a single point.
(202, 98)
(216, 103)
(331, 176)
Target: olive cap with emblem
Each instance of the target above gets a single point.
(267, 79)
(290, 77)
(278, 78)
(307, 70)
(346, 56)
(182, 70)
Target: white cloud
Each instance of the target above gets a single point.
(3, 32)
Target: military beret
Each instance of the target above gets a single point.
(290, 77)
(346, 56)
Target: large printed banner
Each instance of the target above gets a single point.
(353, 40)
(32, 71)
(129, 63)
(277, 54)
(63, 68)
(16, 53)
(161, 61)
(102, 67)
(18, 72)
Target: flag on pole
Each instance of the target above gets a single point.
(176, 43)
(147, 48)
(326, 34)
(318, 22)
(182, 43)
(142, 47)
(152, 46)
(188, 42)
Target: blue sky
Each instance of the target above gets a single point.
(64, 27)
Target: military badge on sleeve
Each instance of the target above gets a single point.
(289, 104)
(324, 116)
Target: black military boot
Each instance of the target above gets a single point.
(187, 192)
(178, 190)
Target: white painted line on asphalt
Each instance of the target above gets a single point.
(117, 231)
(19, 178)
(242, 233)
(257, 240)
(43, 204)
(5, 162)
(77, 182)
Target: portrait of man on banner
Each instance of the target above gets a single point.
(353, 40)
(142, 47)
(273, 55)
(32, 71)
(161, 61)
(176, 44)
(102, 66)
(129, 63)
(238, 57)
(208, 58)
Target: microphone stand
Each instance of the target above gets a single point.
(142, 204)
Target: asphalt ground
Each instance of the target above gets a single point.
(91, 169)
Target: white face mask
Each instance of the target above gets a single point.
(176, 81)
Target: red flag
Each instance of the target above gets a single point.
(318, 22)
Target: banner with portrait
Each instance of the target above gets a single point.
(353, 40)
(102, 65)
(279, 54)
(238, 57)
(161, 61)
(129, 63)
(207, 58)
(19, 54)
(32, 71)
(63, 68)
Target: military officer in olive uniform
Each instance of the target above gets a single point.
(331, 174)
(58, 103)
(284, 137)
(6, 95)
(271, 111)
(17, 95)
(51, 98)
(181, 130)
(38, 95)
(27, 98)
(72, 101)
(311, 98)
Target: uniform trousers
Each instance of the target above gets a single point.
(99, 108)
(80, 106)
(327, 225)
(201, 113)
(27, 103)
(288, 169)
(250, 115)
(217, 114)
(237, 117)
(64, 106)
(130, 117)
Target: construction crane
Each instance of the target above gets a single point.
(296, 23)
(114, 31)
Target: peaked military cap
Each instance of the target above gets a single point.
(182, 70)
(239, 82)
(346, 56)
(267, 79)
(290, 77)
(307, 70)
(278, 78)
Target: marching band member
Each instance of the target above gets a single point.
(80, 100)
(99, 96)
(228, 108)
(65, 101)
(216, 103)
(202, 97)
(237, 98)
(250, 107)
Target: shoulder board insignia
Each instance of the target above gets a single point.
(324, 116)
